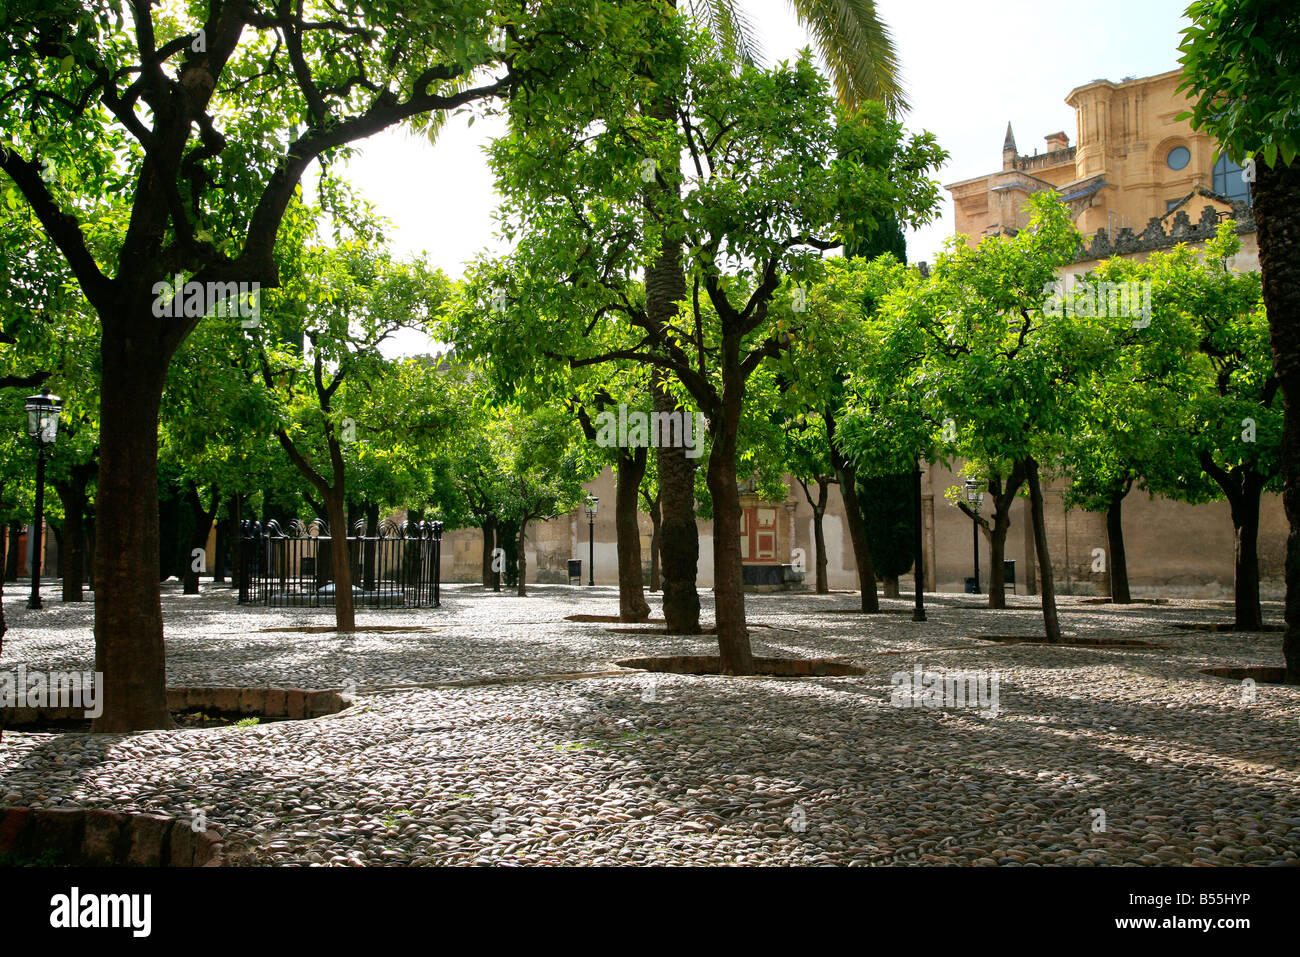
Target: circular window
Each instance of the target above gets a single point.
(1178, 157)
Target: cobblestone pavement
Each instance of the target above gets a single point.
(496, 731)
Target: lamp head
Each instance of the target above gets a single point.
(43, 417)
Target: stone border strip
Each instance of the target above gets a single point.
(98, 838)
(290, 704)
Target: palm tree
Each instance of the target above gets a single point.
(857, 49)
(850, 36)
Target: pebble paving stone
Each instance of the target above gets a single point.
(497, 732)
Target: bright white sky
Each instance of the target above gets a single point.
(969, 67)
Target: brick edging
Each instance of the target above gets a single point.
(93, 837)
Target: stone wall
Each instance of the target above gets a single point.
(1172, 548)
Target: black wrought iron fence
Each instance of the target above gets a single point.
(396, 567)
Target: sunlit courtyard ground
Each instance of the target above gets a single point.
(496, 731)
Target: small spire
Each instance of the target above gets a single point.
(1010, 142)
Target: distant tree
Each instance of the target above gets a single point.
(809, 461)
(998, 366)
(775, 165)
(1129, 411)
(348, 300)
(887, 513)
(543, 459)
(1227, 435)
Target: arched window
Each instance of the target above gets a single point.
(1229, 182)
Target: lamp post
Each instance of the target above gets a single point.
(592, 502)
(42, 428)
(975, 498)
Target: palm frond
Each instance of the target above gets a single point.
(730, 26)
(857, 47)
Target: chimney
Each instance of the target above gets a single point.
(1057, 141)
(1009, 149)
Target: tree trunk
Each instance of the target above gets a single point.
(656, 525)
(665, 287)
(1291, 503)
(90, 551)
(632, 605)
(220, 546)
(890, 583)
(1277, 218)
(680, 547)
(56, 532)
(818, 506)
(198, 537)
(918, 547)
(997, 539)
(1046, 579)
(1118, 564)
(1245, 533)
(490, 579)
(521, 560)
(735, 657)
(508, 542)
(345, 618)
(234, 536)
(72, 494)
(1003, 498)
(129, 651)
(11, 553)
(819, 542)
(370, 562)
(3, 624)
(847, 476)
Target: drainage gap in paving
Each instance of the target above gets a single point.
(681, 634)
(613, 620)
(766, 667)
(1072, 643)
(360, 629)
(1131, 601)
(1224, 626)
(1263, 675)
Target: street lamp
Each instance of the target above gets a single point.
(975, 498)
(42, 428)
(592, 502)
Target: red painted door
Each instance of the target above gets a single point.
(758, 535)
